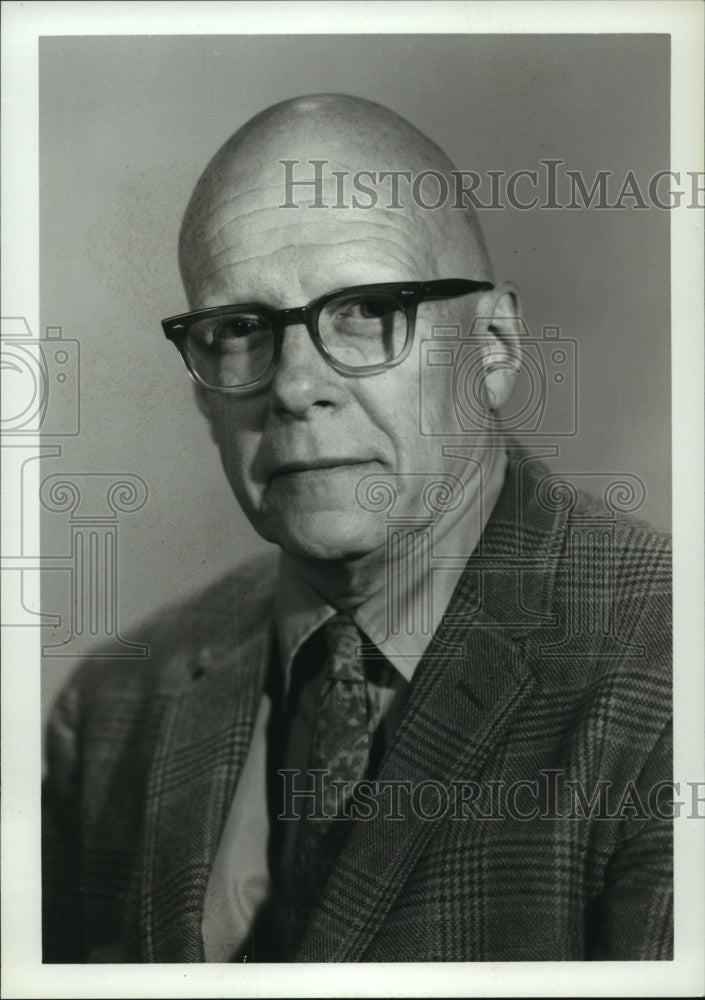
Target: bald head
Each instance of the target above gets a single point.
(237, 206)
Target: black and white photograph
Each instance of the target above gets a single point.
(352, 499)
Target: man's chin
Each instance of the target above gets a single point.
(325, 536)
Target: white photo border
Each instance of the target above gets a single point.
(23, 974)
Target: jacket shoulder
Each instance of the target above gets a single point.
(611, 644)
(633, 535)
(220, 616)
(629, 556)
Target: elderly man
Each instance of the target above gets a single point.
(399, 741)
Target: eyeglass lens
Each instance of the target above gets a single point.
(237, 347)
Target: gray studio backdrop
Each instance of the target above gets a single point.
(126, 126)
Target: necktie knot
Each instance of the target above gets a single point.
(342, 639)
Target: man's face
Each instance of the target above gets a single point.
(295, 451)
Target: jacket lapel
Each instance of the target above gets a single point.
(467, 690)
(204, 736)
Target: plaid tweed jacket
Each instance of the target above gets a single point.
(549, 675)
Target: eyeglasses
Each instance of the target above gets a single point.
(359, 331)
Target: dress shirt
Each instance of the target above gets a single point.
(240, 881)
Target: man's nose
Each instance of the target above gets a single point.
(303, 379)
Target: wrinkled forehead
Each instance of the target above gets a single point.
(271, 195)
(253, 227)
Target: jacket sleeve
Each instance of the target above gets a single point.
(62, 934)
(632, 919)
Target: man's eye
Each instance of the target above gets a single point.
(373, 309)
(230, 334)
(242, 326)
(366, 309)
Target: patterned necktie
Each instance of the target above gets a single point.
(340, 747)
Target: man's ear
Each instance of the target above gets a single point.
(499, 322)
(203, 405)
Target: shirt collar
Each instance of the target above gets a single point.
(423, 592)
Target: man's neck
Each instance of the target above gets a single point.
(343, 583)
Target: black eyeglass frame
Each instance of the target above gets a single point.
(405, 294)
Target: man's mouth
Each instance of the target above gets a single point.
(312, 465)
